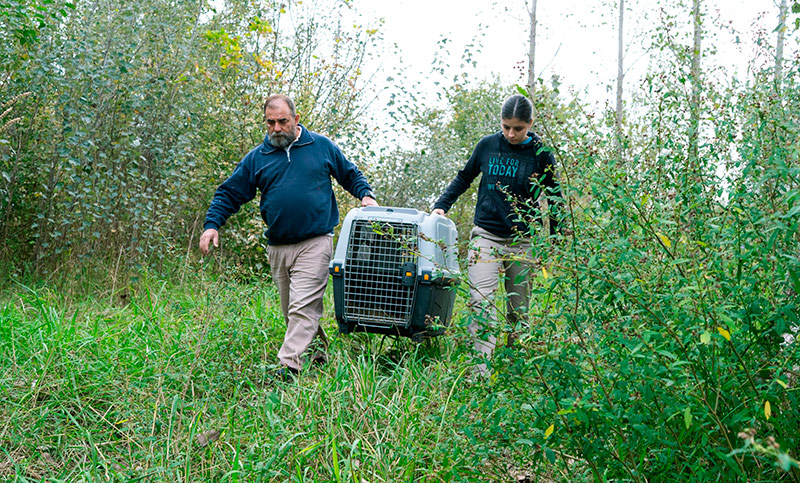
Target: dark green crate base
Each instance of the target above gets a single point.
(430, 316)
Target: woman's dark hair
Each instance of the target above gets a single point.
(517, 107)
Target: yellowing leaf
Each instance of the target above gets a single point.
(549, 431)
(544, 272)
(705, 338)
(782, 384)
(664, 240)
(767, 410)
(724, 333)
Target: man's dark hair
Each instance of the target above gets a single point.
(280, 97)
(517, 107)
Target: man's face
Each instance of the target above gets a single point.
(281, 125)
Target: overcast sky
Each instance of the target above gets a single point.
(576, 40)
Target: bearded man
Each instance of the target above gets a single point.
(292, 169)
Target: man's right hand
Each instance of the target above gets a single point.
(438, 211)
(209, 236)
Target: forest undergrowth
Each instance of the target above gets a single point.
(174, 382)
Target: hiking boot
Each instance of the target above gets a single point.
(286, 374)
(319, 359)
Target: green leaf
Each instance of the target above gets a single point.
(795, 210)
(784, 461)
(669, 355)
(795, 280)
(550, 455)
(687, 417)
(705, 338)
(336, 471)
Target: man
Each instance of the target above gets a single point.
(292, 169)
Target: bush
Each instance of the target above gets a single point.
(658, 343)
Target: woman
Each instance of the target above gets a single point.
(515, 167)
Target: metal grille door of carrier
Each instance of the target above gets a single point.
(378, 253)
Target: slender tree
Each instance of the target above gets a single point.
(694, 125)
(783, 9)
(620, 75)
(532, 50)
(531, 89)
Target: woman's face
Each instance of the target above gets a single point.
(514, 130)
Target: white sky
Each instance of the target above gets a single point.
(576, 39)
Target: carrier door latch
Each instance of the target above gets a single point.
(409, 274)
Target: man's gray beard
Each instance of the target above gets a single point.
(280, 140)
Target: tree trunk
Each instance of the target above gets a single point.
(532, 51)
(779, 47)
(44, 230)
(694, 107)
(620, 74)
(543, 205)
(11, 190)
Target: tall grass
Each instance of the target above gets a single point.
(173, 383)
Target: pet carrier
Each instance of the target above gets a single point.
(394, 271)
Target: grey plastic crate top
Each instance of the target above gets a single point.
(434, 241)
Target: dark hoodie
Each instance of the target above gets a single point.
(297, 201)
(512, 174)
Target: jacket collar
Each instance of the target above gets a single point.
(306, 137)
(535, 140)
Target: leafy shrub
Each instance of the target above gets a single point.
(657, 348)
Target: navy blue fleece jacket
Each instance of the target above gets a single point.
(512, 175)
(297, 201)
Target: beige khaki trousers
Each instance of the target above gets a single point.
(300, 271)
(491, 259)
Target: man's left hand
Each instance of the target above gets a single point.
(368, 201)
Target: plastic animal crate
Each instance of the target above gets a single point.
(393, 272)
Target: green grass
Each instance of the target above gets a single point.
(117, 388)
